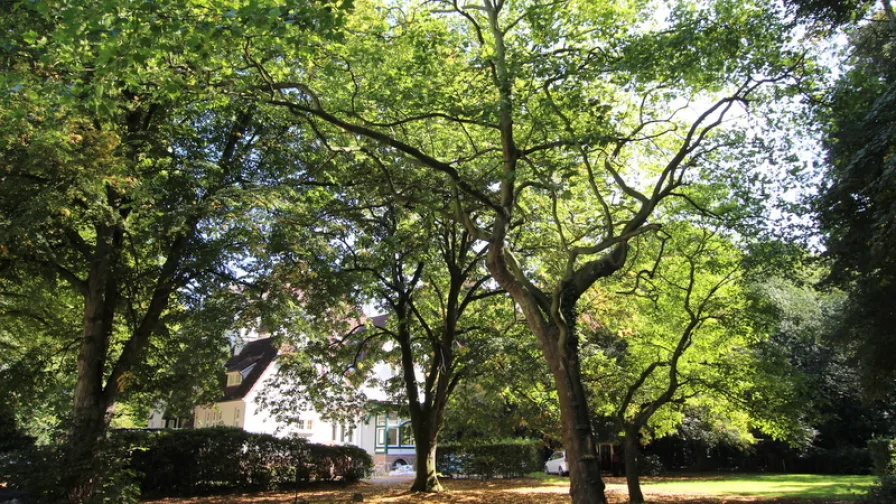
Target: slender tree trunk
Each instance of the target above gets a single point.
(427, 441)
(635, 496)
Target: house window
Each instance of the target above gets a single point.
(234, 379)
(334, 432)
(236, 417)
(303, 424)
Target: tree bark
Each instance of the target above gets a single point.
(426, 444)
(635, 496)
(586, 485)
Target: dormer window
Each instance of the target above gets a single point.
(234, 379)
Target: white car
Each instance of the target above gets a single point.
(557, 464)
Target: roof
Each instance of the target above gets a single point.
(261, 353)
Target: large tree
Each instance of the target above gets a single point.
(857, 203)
(127, 180)
(377, 244)
(571, 123)
(689, 346)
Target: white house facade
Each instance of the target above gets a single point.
(387, 437)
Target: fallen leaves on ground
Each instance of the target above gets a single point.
(501, 491)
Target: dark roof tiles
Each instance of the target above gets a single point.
(260, 352)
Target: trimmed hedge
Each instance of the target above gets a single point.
(197, 461)
(509, 458)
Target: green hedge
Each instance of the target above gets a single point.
(192, 461)
(510, 458)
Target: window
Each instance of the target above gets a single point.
(236, 417)
(334, 432)
(303, 424)
(234, 379)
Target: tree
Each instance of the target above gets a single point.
(690, 348)
(856, 205)
(422, 269)
(122, 187)
(555, 124)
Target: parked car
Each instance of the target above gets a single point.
(557, 464)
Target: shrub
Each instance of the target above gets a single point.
(650, 465)
(882, 493)
(489, 459)
(191, 461)
(883, 456)
(188, 462)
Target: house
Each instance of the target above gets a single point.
(381, 432)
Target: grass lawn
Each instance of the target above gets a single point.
(541, 489)
(746, 487)
(805, 486)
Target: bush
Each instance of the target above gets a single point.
(188, 462)
(840, 460)
(191, 461)
(883, 456)
(650, 465)
(506, 458)
(882, 493)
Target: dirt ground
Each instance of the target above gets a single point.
(510, 491)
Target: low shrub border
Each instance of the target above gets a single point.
(191, 461)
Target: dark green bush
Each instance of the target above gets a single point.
(840, 460)
(187, 462)
(489, 459)
(650, 465)
(882, 493)
(883, 456)
(195, 461)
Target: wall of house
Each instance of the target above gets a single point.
(307, 424)
(230, 414)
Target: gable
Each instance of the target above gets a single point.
(250, 363)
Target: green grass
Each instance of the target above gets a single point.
(767, 485)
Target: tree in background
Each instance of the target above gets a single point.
(688, 347)
(856, 206)
(378, 245)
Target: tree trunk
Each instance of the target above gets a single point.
(89, 415)
(426, 479)
(586, 485)
(631, 468)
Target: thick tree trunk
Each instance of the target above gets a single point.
(90, 410)
(426, 479)
(586, 485)
(631, 468)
